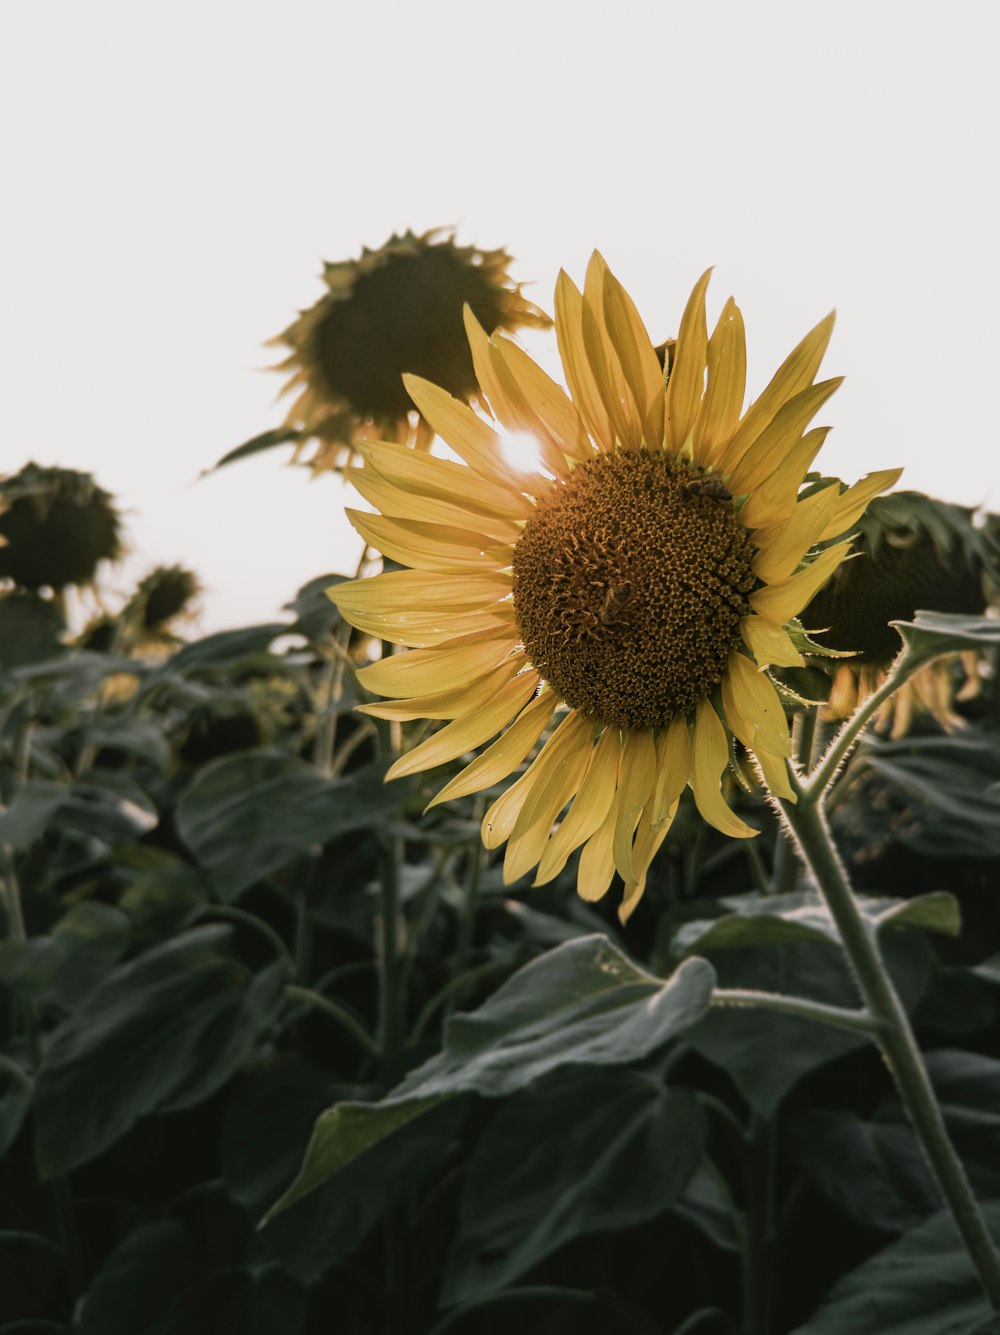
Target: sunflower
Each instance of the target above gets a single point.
(397, 308)
(626, 595)
(912, 552)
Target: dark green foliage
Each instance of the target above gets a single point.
(208, 1128)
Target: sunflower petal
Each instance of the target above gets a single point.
(778, 438)
(775, 772)
(711, 757)
(589, 809)
(548, 401)
(432, 547)
(686, 385)
(451, 703)
(559, 771)
(638, 778)
(597, 861)
(647, 845)
(467, 732)
(673, 759)
(852, 504)
(431, 670)
(426, 630)
(769, 643)
(753, 707)
(397, 590)
(781, 550)
(774, 500)
(603, 358)
(469, 436)
(638, 360)
(573, 352)
(795, 373)
(783, 601)
(505, 754)
(727, 381)
(428, 475)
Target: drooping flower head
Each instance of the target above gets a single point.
(625, 595)
(396, 309)
(58, 525)
(911, 552)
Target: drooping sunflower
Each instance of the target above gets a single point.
(912, 552)
(628, 593)
(398, 308)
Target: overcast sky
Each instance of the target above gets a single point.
(175, 174)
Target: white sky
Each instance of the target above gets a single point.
(174, 175)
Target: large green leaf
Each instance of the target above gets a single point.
(31, 1267)
(163, 1032)
(224, 650)
(930, 634)
(756, 919)
(248, 815)
(923, 1284)
(16, 1094)
(361, 1160)
(766, 1054)
(149, 1267)
(582, 1151)
(583, 1002)
(952, 787)
(31, 812)
(64, 968)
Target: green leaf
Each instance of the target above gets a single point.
(872, 1170)
(583, 1002)
(703, 1204)
(930, 634)
(757, 919)
(140, 1277)
(163, 1032)
(361, 1160)
(16, 1093)
(31, 1267)
(246, 816)
(267, 1122)
(315, 614)
(64, 968)
(767, 1054)
(140, 738)
(267, 440)
(582, 1151)
(108, 805)
(30, 629)
(236, 1302)
(31, 812)
(952, 788)
(225, 649)
(921, 1284)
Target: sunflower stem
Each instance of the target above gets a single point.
(390, 1026)
(820, 779)
(890, 1025)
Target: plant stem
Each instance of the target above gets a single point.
(339, 1014)
(390, 1030)
(894, 1034)
(841, 1018)
(757, 1265)
(823, 775)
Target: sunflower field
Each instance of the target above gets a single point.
(581, 917)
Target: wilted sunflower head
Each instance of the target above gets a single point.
(59, 525)
(396, 309)
(625, 594)
(911, 552)
(165, 593)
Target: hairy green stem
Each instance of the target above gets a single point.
(824, 773)
(803, 1008)
(894, 1035)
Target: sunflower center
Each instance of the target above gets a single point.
(630, 580)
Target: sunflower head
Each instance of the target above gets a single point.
(911, 552)
(396, 309)
(59, 525)
(623, 598)
(165, 593)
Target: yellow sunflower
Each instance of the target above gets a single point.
(627, 593)
(397, 308)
